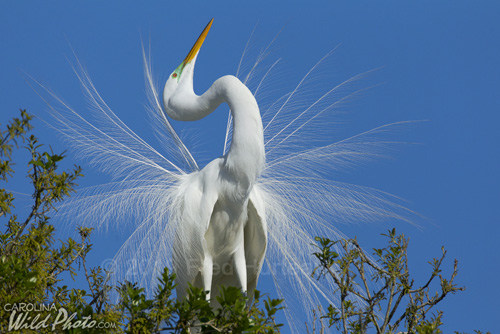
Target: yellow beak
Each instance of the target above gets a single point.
(196, 47)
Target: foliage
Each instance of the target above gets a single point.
(32, 264)
(394, 300)
(235, 314)
(30, 267)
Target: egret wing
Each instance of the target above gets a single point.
(255, 238)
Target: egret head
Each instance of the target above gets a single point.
(182, 77)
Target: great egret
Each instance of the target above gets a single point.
(223, 219)
(213, 217)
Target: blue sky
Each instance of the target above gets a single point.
(438, 61)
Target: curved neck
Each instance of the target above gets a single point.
(246, 157)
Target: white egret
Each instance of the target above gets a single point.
(275, 183)
(222, 223)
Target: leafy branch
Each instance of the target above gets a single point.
(365, 305)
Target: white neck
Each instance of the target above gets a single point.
(246, 157)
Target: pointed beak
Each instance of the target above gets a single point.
(196, 47)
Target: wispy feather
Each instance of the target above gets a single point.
(302, 199)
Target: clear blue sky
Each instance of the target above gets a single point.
(439, 59)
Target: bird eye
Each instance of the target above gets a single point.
(174, 75)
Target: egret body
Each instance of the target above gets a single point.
(221, 237)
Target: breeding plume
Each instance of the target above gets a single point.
(256, 209)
